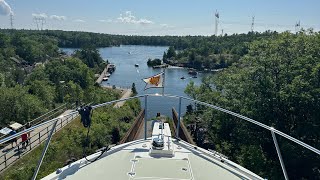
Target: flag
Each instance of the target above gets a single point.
(155, 81)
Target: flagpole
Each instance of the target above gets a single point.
(164, 77)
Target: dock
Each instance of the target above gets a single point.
(109, 69)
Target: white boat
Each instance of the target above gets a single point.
(105, 79)
(136, 65)
(158, 157)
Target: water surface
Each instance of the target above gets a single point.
(125, 57)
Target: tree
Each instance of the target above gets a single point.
(171, 52)
(133, 89)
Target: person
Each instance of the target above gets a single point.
(28, 125)
(24, 138)
(13, 132)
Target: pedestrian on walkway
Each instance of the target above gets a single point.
(28, 125)
(13, 132)
(24, 138)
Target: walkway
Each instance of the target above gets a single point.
(126, 93)
(9, 154)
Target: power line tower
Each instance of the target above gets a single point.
(297, 26)
(252, 24)
(40, 21)
(217, 16)
(11, 20)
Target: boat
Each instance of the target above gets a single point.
(136, 65)
(107, 75)
(192, 72)
(105, 79)
(194, 77)
(182, 77)
(161, 152)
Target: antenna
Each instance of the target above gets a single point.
(297, 26)
(252, 24)
(11, 20)
(217, 22)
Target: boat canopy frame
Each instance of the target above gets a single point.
(272, 130)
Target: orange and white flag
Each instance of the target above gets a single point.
(155, 81)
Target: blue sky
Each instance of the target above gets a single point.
(161, 17)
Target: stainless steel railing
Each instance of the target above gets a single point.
(269, 128)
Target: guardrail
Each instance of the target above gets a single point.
(269, 128)
(133, 132)
(184, 135)
(14, 154)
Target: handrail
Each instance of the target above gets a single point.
(175, 96)
(38, 137)
(271, 129)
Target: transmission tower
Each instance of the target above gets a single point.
(297, 26)
(11, 20)
(252, 24)
(217, 16)
(40, 21)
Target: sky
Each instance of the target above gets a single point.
(160, 17)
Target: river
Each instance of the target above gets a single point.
(126, 56)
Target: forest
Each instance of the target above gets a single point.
(276, 83)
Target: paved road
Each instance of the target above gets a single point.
(42, 132)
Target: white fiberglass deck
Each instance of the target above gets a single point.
(134, 160)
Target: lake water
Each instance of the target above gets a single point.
(125, 57)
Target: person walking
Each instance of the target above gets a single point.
(13, 132)
(25, 142)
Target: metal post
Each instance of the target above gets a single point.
(5, 160)
(145, 115)
(179, 117)
(44, 151)
(279, 154)
(19, 151)
(39, 138)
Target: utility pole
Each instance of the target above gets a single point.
(252, 24)
(217, 16)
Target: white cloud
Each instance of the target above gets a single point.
(40, 15)
(79, 20)
(128, 18)
(106, 20)
(59, 18)
(164, 25)
(5, 9)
